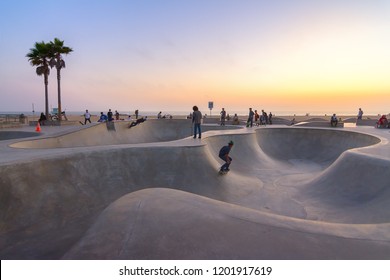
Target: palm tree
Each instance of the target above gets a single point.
(57, 48)
(39, 56)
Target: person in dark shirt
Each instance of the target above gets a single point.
(137, 122)
(333, 120)
(109, 115)
(224, 155)
(42, 119)
(249, 123)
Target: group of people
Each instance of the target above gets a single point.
(226, 117)
(254, 117)
(53, 117)
(259, 119)
(110, 116)
(381, 123)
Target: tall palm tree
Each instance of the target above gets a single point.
(57, 48)
(39, 56)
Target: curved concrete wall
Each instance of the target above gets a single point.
(155, 130)
(319, 145)
(46, 205)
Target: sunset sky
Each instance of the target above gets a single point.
(283, 56)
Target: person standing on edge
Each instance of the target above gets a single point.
(109, 115)
(196, 120)
(87, 117)
(224, 155)
(333, 120)
(223, 116)
(250, 118)
(360, 114)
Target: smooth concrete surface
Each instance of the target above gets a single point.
(12, 134)
(292, 193)
(318, 124)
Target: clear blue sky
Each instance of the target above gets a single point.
(170, 55)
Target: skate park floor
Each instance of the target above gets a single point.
(154, 192)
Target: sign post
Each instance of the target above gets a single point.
(211, 105)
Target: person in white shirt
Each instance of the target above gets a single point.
(87, 117)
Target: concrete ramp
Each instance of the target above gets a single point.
(292, 193)
(98, 134)
(356, 185)
(155, 130)
(141, 226)
(318, 145)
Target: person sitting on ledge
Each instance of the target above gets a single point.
(138, 121)
(235, 120)
(382, 122)
(333, 120)
(103, 117)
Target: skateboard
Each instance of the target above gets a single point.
(220, 172)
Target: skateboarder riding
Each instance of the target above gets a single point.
(224, 155)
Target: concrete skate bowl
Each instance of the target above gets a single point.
(168, 202)
(7, 135)
(99, 134)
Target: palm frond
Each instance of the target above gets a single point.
(43, 70)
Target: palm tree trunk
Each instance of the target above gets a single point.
(59, 94)
(46, 81)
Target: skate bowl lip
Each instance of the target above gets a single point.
(375, 140)
(210, 130)
(57, 140)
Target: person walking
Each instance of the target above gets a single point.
(196, 120)
(87, 117)
(224, 155)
